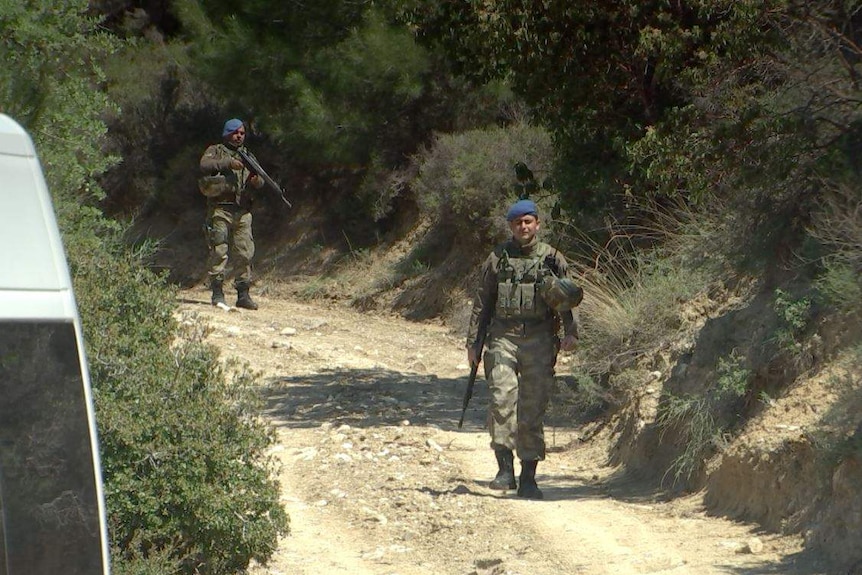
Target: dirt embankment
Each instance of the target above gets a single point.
(378, 479)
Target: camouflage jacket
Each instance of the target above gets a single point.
(510, 265)
(230, 186)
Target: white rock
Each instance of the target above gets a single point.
(288, 331)
(754, 546)
(233, 330)
(433, 444)
(405, 423)
(379, 517)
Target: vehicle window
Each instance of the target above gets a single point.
(48, 497)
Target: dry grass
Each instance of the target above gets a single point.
(635, 295)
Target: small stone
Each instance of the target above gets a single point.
(433, 444)
(288, 331)
(754, 546)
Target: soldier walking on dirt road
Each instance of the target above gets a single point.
(225, 184)
(523, 299)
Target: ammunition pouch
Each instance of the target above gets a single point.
(215, 186)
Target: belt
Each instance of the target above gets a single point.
(522, 327)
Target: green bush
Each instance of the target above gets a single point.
(840, 285)
(467, 179)
(184, 454)
(793, 315)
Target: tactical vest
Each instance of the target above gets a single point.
(226, 186)
(518, 282)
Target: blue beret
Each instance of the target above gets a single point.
(230, 127)
(522, 208)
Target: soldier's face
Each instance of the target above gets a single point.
(524, 228)
(237, 137)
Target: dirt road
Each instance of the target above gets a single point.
(378, 479)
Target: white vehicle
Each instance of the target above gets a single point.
(51, 500)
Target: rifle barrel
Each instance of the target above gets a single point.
(255, 167)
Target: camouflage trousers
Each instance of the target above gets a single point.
(230, 239)
(519, 367)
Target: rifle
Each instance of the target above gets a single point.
(474, 369)
(255, 167)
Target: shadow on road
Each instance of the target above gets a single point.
(379, 398)
(372, 398)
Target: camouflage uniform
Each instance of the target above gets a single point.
(228, 216)
(523, 341)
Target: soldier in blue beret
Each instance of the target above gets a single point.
(227, 184)
(522, 323)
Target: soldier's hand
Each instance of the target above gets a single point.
(551, 264)
(472, 359)
(235, 164)
(255, 181)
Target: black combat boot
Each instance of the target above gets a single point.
(505, 478)
(527, 487)
(218, 291)
(244, 300)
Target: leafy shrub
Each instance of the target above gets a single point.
(733, 376)
(184, 455)
(467, 179)
(840, 286)
(793, 315)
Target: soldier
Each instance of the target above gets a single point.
(225, 184)
(523, 298)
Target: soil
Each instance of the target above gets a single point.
(378, 478)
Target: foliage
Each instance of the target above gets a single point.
(840, 286)
(732, 376)
(601, 75)
(467, 179)
(793, 315)
(183, 451)
(701, 423)
(188, 484)
(330, 84)
(838, 226)
(49, 83)
(694, 422)
(637, 284)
